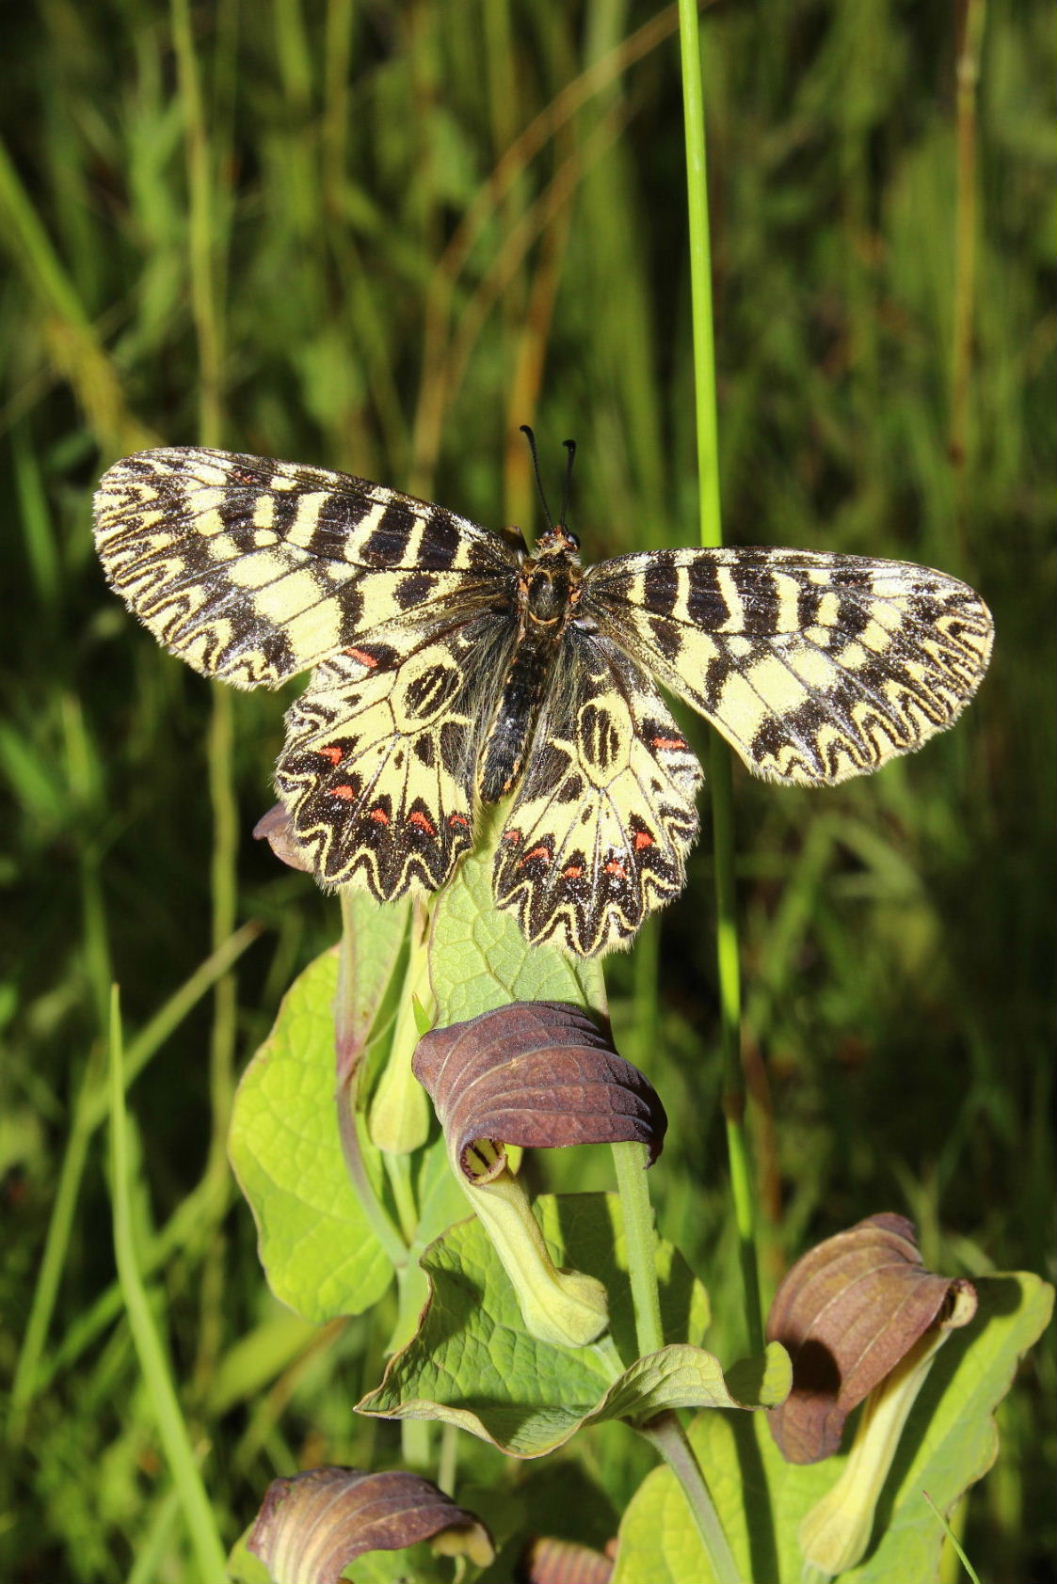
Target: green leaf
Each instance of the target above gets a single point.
(417, 1564)
(479, 959)
(441, 1202)
(373, 935)
(316, 1244)
(243, 1567)
(949, 1442)
(682, 1376)
(473, 1363)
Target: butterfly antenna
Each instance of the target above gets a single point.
(531, 438)
(567, 488)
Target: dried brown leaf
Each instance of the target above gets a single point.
(276, 828)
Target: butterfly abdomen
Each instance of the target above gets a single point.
(523, 692)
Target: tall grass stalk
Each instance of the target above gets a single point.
(729, 974)
(157, 1374)
(204, 252)
(665, 1433)
(966, 224)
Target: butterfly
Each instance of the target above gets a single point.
(452, 668)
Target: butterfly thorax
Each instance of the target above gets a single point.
(548, 592)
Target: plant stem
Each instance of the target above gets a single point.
(670, 1439)
(150, 1350)
(664, 1432)
(398, 1171)
(448, 1459)
(416, 1440)
(729, 978)
(53, 1259)
(966, 224)
(640, 1234)
(351, 1127)
(203, 257)
(202, 231)
(646, 963)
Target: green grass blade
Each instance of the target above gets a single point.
(172, 1427)
(719, 755)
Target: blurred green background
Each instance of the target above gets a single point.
(380, 237)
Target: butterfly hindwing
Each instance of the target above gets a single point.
(815, 667)
(253, 570)
(378, 766)
(605, 813)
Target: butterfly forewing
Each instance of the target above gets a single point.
(253, 571)
(815, 667)
(605, 813)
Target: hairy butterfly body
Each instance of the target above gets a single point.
(451, 668)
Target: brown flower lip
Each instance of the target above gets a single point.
(312, 1526)
(538, 1074)
(276, 828)
(849, 1311)
(549, 1561)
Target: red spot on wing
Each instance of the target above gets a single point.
(512, 835)
(333, 753)
(348, 793)
(668, 742)
(573, 872)
(416, 817)
(643, 839)
(379, 816)
(364, 656)
(615, 867)
(458, 819)
(537, 852)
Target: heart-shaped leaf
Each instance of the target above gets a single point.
(317, 1246)
(473, 1362)
(479, 958)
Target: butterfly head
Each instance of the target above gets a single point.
(558, 541)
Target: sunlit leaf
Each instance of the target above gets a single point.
(473, 1363)
(316, 1244)
(480, 960)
